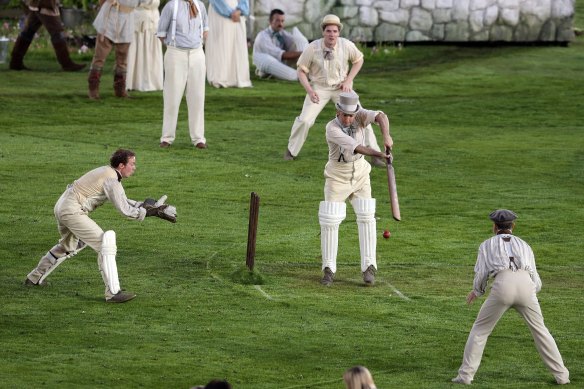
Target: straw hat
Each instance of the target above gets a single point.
(331, 19)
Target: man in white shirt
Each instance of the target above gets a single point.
(326, 68)
(510, 261)
(274, 49)
(347, 178)
(183, 28)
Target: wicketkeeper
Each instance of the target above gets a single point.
(347, 177)
(78, 230)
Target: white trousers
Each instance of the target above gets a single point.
(184, 73)
(512, 290)
(270, 65)
(310, 112)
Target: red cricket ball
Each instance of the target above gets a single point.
(386, 234)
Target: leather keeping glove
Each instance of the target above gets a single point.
(154, 209)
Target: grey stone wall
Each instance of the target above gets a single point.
(428, 20)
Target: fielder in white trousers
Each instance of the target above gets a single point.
(184, 74)
(511, 289)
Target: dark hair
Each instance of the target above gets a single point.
(504, 226)
(218, 384)
(121, 156)
(276, 11)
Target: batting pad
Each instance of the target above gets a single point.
(366, 223)
(330, 216)
(108, 267)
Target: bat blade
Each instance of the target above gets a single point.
(393, 190)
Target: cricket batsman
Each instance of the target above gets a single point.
(78, 230)
(347, 177)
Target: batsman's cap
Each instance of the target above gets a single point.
(348, 103)
(331, 19)
(502, 216)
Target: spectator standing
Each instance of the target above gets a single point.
(114, 24)
(226, 48)
(145, 63)
(183, 28)
(43, 13)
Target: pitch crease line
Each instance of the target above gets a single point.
(400, 294)
(263, 293)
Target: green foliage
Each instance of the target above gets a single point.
(475, 129)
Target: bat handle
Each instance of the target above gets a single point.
(388, 151)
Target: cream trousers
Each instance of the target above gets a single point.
(184, 73)
(347, 180)
(512, 290)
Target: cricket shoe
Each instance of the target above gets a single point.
(327, 278)
(369, 275)
(459, 380)
(121, 297)
(28, 282)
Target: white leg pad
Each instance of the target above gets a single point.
(52, 259)
(107, 263)
(330, 216)
(365, 211)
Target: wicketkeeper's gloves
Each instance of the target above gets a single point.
(159, 209)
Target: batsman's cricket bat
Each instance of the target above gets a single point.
(392, 187)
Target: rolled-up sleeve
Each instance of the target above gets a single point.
(114, 191)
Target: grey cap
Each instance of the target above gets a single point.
(502, 216)
(348, 103)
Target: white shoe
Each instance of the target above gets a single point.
(260, 74)
(459, 380)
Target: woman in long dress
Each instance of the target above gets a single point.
(145, 63)
(226, 46)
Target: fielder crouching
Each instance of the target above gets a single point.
(347, 177)
(78, 230)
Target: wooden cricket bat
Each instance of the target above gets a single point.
(392, 187)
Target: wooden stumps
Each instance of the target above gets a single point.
(254, 208)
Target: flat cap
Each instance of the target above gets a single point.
(502, 216)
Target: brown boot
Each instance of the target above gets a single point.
(93, 81)
(18, 52)
(64, 59)
(120, 85)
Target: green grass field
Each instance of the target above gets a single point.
(474, 128)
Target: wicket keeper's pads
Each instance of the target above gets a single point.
(365, 211)
(107, 262)
(330, 216)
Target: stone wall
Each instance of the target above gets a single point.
(428, 20)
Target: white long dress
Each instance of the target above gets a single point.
(145, 61)
(226, 51)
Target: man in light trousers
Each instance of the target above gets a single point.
(347, 177)
(78, 230)
(510, 261)
(323, 71)
(183, 28)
